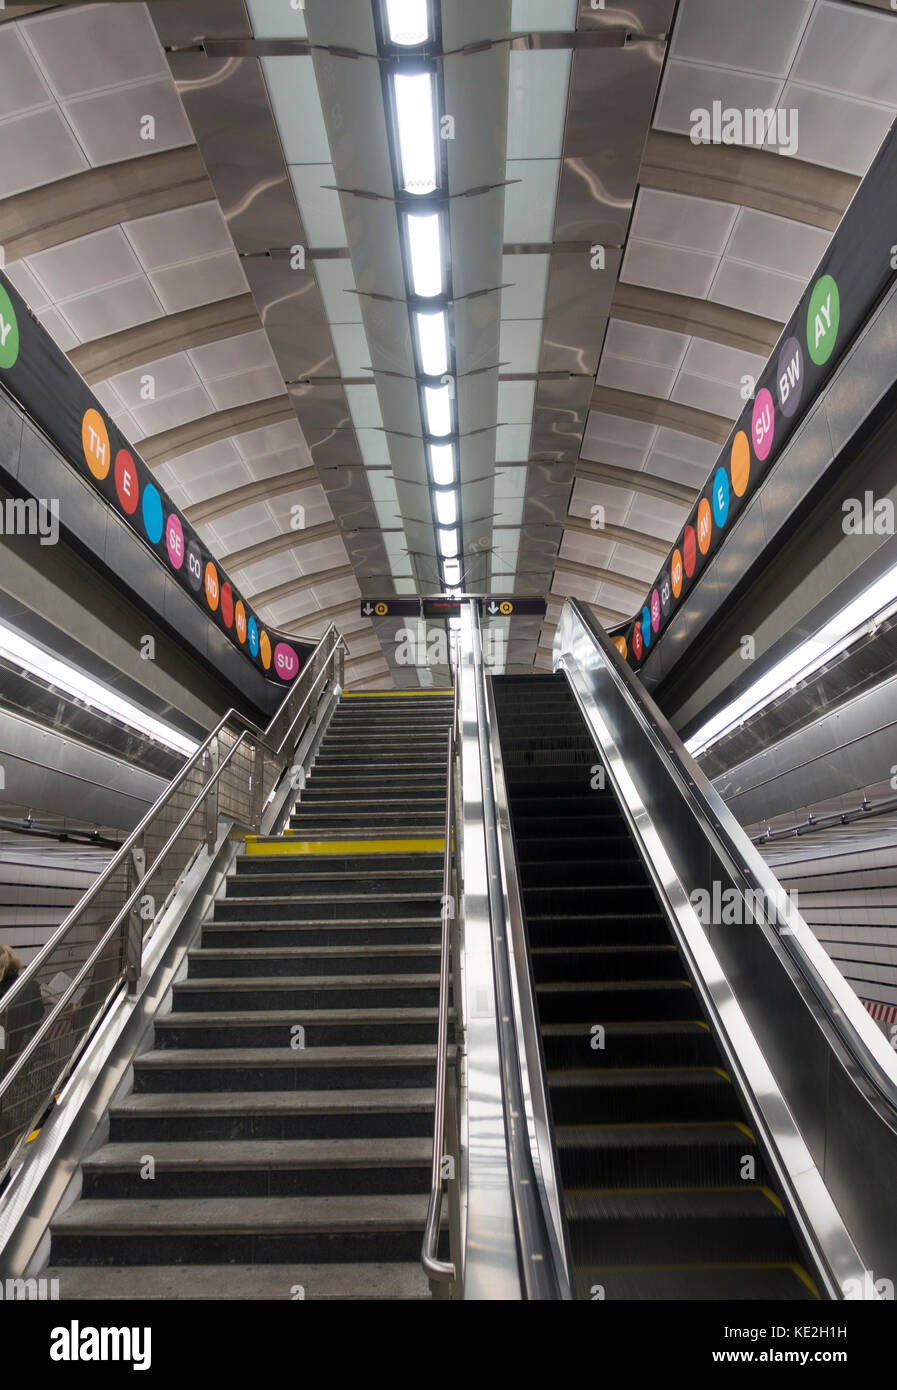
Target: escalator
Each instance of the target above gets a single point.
(665, 1190)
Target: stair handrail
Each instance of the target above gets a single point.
(238, 768)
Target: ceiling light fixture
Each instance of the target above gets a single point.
(432, 341)
(442, 464)
(415, 117)
(425, 253)
(448, 543)
(451, 572)
(446, 508)
(408, 22)
(439, 410)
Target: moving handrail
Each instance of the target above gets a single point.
(234, 773)
(541, 1270)
(814, 1072)
(436, 1269)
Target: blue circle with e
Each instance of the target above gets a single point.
(720, 497)
(646, 627)
(152, 513)
(253, 637)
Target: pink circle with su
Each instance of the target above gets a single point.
(655, 611)
(762, 424)
(286, 662)
(174, 540)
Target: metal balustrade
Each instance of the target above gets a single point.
(51, 1010)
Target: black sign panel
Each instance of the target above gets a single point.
(40, 377)
(854, 273)
(390, 607)
(500, 606)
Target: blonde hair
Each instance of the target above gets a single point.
(10, 965)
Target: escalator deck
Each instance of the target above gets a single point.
(665, 1190)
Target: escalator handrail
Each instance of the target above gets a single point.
(434, 1268)
(542, 1277)
(526, 1017)
(842, 1008)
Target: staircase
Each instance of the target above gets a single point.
(285, 1110)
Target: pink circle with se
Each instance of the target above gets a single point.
(655, 610)
(174, 540)
(762, 424)
(286, 662)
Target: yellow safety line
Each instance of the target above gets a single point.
(291, 845)
(746, 1264)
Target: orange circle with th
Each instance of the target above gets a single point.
(240, 620)
(620, 644)
(705, 525)
(213, 590)
(95, 443)
(265, 649)
(740, 463)
(676, 573)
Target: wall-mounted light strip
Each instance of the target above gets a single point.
(58, 673)
(868, 610)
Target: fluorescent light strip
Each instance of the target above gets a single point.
(415, 115)
(451, 572)
(442, 464)
(408, 22)
(68, 678)
(877, 602)
(448, 543)
(424, 232)
(439, 410)
(432, 338)
(446, 508)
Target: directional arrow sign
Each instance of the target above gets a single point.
(390, 607)
(498, 606)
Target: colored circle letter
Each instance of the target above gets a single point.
(194, 566)
(790, 376)
(95, 442)
(9, 331)
(153, 519)
(704, 527)
(212, 591)
(688, 550)
(720, 497)
(126, 484)
(823, 317)
(174, 541)
(740, 463)
(676, 573)
(763, 423)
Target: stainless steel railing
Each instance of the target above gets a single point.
(436, 1269)
(49, 1013)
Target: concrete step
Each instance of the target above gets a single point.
(411, 931)
(243, 1283)
(298, 962)
(327, 991)
(226, 1069)
(274, 1028)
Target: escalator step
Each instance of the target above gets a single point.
(605, 963)
(686, 1044)
(653, 1095)
(704, 1154)
(782, 1283)
(615, 1001)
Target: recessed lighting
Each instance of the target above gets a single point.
(408, 22)
(446, 508)
(439, 410)
(415, 115)
(425, 253)
(442, 464)
(433, 342)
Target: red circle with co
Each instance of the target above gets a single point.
(126, 484)
(227, 605)
(689, 550)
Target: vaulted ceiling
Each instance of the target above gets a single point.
(613, 285)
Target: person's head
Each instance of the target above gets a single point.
(10, 965)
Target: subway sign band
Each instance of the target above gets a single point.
(854, 273)
(40, 377)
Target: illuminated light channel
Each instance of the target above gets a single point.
(408, 22)
(68, 678)
(439, 410)
(432, 339)
(424, 234)
(415, 115)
